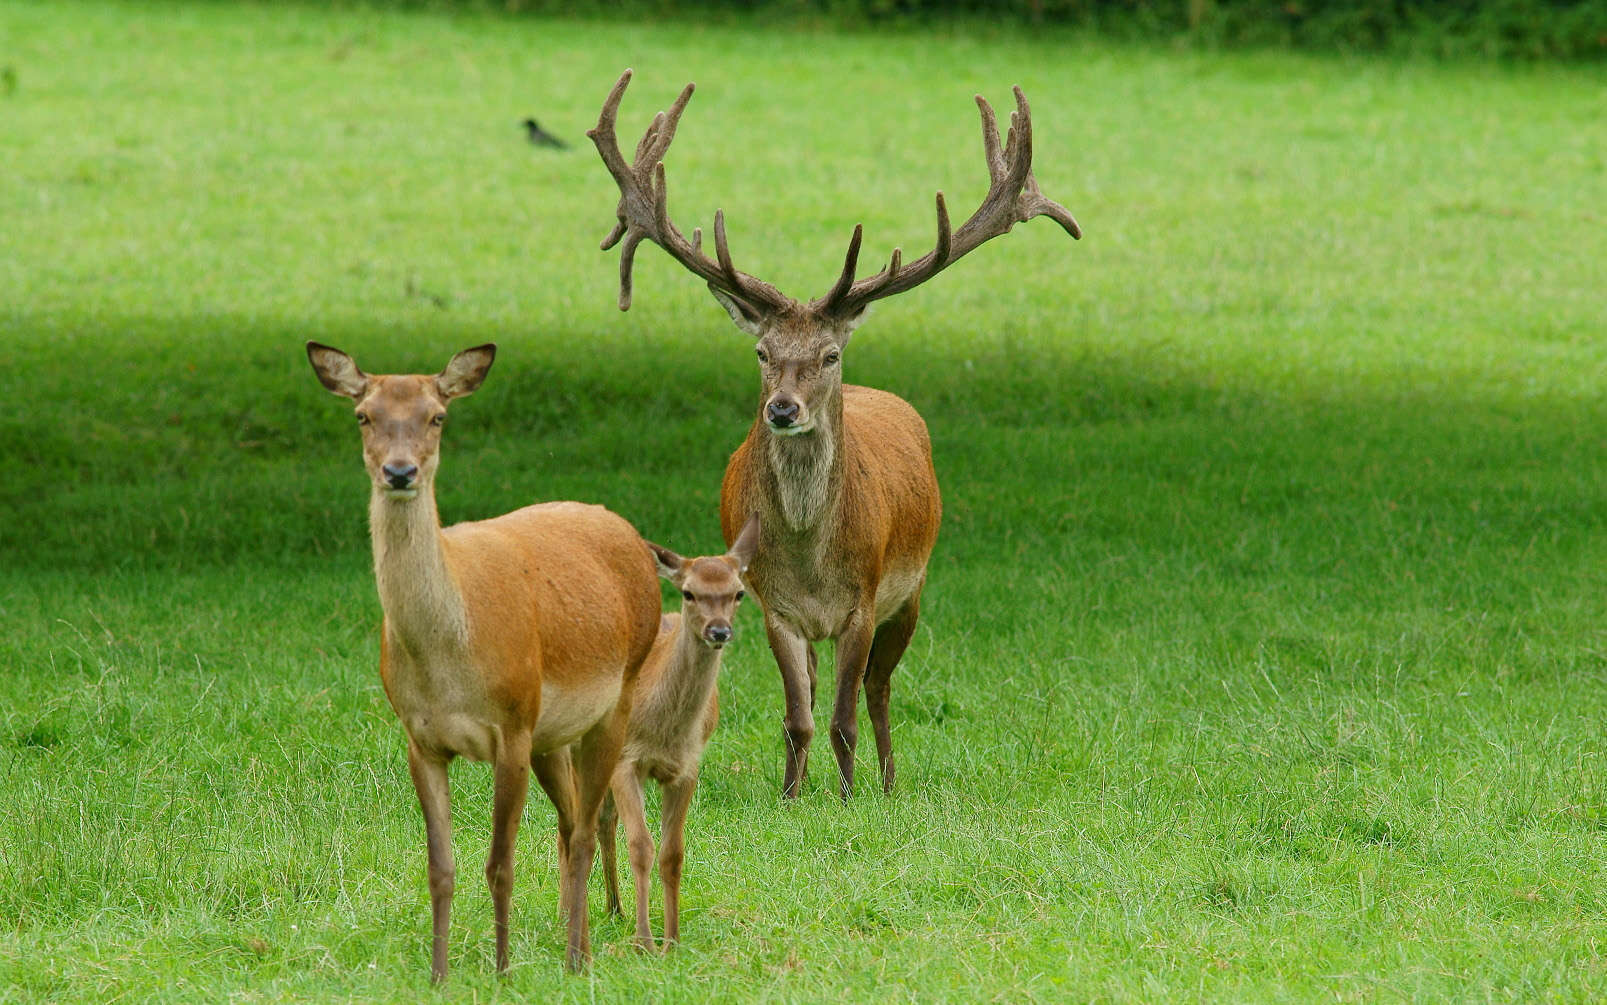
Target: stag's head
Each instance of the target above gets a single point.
(401, 416)
(800, 345)
(711, 587)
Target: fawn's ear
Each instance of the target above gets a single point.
(336, 370)
(746, 544)
(465, 373)
(669, 564)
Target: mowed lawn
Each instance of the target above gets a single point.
(1262, 655)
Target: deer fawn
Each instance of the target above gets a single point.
(505, 640)
(841, 476)
(673, 713)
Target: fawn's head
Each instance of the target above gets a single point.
(401, 415)
(711, 587)
(800, 345)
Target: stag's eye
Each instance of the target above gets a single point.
(438, 420)
(686, 594)
(764, 357)
(832, 357)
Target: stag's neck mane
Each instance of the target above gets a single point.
(806, 470)
(423, 605)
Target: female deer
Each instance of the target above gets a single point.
(505, 640)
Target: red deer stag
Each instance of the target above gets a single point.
(841, 476)
(673, 713)
(505, 640)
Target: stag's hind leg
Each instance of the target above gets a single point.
(892, 638)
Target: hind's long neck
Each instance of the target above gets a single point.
(423, 605)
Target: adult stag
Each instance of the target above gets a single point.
(840, 476)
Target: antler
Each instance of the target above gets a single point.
(1013, 197)
(644, 213)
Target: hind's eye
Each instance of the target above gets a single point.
(438, 420)
(740, 594)
(686, 594)
(362, 419)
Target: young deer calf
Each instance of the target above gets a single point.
(672, 716)
(506, 640)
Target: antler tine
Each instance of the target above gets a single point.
(602, 134)
(850, 264)
(1018, 147)
(990, 139)
(643, 210)
(627, 258)
(723, 251)
(1013, 197)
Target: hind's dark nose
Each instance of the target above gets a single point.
(718, 634)
(399, 476)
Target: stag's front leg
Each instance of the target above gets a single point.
(791, 651)
(853, 650)
(511, 786)
(435, 799)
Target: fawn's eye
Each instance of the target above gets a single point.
(686, 594)
(438, 420)
(832, 357)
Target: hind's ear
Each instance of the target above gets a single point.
(668, 562)
(336, 370)
(466, 372)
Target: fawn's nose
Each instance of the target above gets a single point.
(718, 634)
(781, 412)
(399, 476)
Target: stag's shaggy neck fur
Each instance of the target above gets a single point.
(807, 468)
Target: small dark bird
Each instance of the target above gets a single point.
(541, 138)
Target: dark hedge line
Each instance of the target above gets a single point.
(1503, 29)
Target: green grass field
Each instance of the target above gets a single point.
(1263, 653)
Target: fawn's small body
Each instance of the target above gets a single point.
(673, 713)
(514, 640)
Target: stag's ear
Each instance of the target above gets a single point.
(747, 542)
(845, 326)
(668, 562)
(745, 315)
(466, 372)
(336, 370)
